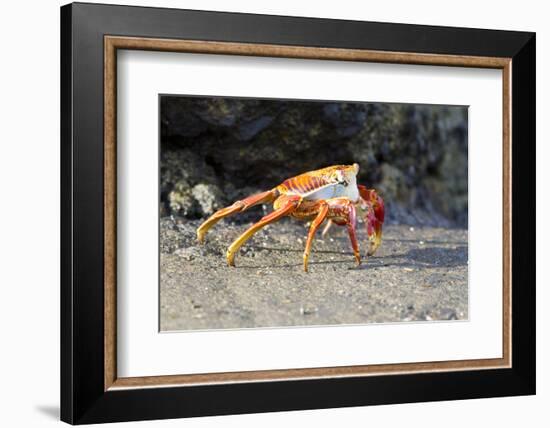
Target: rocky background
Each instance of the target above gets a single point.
(218, 150)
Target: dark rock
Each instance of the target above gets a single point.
(248, 130)
(415, 155)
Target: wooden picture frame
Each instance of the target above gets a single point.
(91, 391)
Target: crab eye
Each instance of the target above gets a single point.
(341, 178)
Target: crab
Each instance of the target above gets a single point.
(330, 194)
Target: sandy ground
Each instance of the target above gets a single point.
(418, 274)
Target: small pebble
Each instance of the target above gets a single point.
(307, 310)
(448, 314)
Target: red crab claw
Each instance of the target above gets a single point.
(373, 206)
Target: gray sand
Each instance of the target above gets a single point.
(417, 274)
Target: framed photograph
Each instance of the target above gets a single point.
(265, 213)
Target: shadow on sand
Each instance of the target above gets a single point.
(420, 258)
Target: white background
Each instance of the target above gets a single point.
(144, 352)
(29, 219)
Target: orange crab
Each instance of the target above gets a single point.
(330, 194)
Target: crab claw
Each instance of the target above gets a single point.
(373, 206)
(374, 231)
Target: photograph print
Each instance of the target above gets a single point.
(292, 213)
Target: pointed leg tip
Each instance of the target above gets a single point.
(230, 259)
(306, 262)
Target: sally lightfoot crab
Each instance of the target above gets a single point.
(330, 194)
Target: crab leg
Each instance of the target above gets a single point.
(374, 231)
(343, 213)
(323, 211)
(350, 224)
(326, 228)
(239, 206)
(290, 205)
